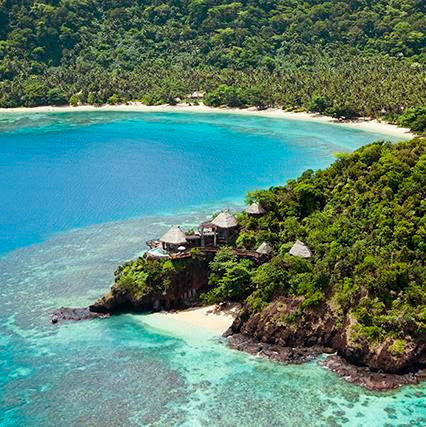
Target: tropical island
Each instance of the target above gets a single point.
(325, 271)
(335, 258)
(333, 261)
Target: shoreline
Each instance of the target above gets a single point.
(211, 319)
(358, 375)
(215, 321)
(370, 125)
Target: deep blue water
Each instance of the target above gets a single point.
(66, 170)
(81, 193)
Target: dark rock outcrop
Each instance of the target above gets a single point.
(186, 285)
(66, 313)
(274, 351)
(376, 381)
(316, 328)
(111, 302)
(278, 332)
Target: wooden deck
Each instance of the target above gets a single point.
(213, 249)
(238, 252)
(181, 255)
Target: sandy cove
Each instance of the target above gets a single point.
(360, 123)
(213, 319)
(209, 318)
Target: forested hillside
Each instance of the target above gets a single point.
(353, 57)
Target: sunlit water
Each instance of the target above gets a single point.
(81, 193)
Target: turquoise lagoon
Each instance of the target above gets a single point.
(80, 193)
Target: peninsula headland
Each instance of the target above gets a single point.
(333, 262)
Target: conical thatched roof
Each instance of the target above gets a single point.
(255, 209)
(265, 249)
(225, 220)
(300, 249)
(175, 236)
(197, 94)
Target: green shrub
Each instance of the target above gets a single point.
(74, 100)
(397, 348)
(414, 118)
(113, 99)
(229, 278)
(246, 239)
(346, 111)
(230, 96)
(318, 104)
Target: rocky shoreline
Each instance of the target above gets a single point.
(275, 352)
(318, 332)
(359, 375)
(375, 381)
(67, 313)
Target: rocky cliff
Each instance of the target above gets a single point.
(176, 285)
(281, 333)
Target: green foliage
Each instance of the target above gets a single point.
(414, 118)
(144, 276)
(270, 280)
(346, 111)
(346, 59)
(312, 300)
(397, 348)
(113, 99)
(227, 95)
(246, 240)
(74, 100)
(373, 334)
(347, 295)
(364, 220)
(318, 104)
(91, 98)
(229, 278)
(197, 255)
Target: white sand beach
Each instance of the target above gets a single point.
(207, 318)
(361, 123)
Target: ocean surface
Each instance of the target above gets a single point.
(81, 193)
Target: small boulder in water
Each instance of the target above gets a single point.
(66, 313)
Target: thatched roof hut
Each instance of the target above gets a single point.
(197, 94)
(301, 250)
(225, 220)
(264, 249)
(255, 209)
(175, 236)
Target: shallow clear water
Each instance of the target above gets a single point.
(133, 369)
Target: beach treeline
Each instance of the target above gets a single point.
(346, 59)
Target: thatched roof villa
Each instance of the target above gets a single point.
(173, 238)
(264, 249)
(225, 220)
(255, 209)
(223, 228)
(301, 250)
